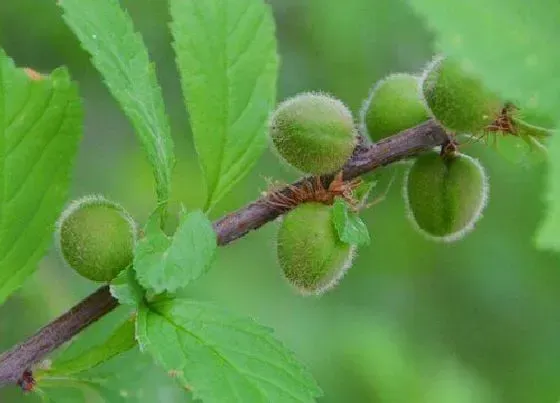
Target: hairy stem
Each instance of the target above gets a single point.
(366, 158)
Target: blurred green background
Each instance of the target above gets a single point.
(413, 321)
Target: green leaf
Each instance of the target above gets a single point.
(226, 54)
(349, 226)
(40, 128)
(520, 150)
(221, 357)
(522, 68)
(167, 264)
(122, 340)
(77, 390)
(126, 289)
(118, 52)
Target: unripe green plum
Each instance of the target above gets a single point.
(445, 196)
(313, 132)
(96, 237)
(457, 99)
(311, 255)
(394, 104)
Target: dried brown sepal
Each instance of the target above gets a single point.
(313, 190)
(504, 123)
(27, 381)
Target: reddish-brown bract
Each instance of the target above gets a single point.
(313, 190)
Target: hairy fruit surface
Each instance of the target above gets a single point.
(457, 99)
(310, 253)
(445, 196)
(96, 237)
(314, 133)
(394, 104)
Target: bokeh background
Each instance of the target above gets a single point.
(473, 322)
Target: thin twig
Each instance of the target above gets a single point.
(366, 158)
(14, 362)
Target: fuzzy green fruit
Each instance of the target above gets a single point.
(96, 238)
(445, 196)
(394, 104)
(314, 133)
(310, 253)
(457, 99)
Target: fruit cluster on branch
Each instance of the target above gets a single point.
(235, 225)
(445, 191)
(405, 117)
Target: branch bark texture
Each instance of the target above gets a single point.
(366, 158)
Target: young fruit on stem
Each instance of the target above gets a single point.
(96, 237)
(457, 99)
(313, 132)
(394, 104)
(310, 253)
(445, 195)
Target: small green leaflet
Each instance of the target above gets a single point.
(126, 289)
(40, 128)
(122, 340)
(227, 59)
(167, 264)
(507, 42)
(118, 52)
(221, 357)
(349, 226)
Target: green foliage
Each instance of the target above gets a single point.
(77, 389)
(226, 53)
(221, 48)
(122, 340)
(522, 68)
(40, 126)
(394, 104)
(220, 357)
(521, 149)
(106, 31)
(96, 237)
(313, 132)
(167, 264)
(310, 253)
(349, 226)
(445, 196)
(126, 289)
(457, 99)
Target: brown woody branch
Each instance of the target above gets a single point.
(366, 158)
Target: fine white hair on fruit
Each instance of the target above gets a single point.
(424, 77)
(362, 126)
(331, 282)
(93, 200)
(342, 110)
(469, 226)
(312, 258)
